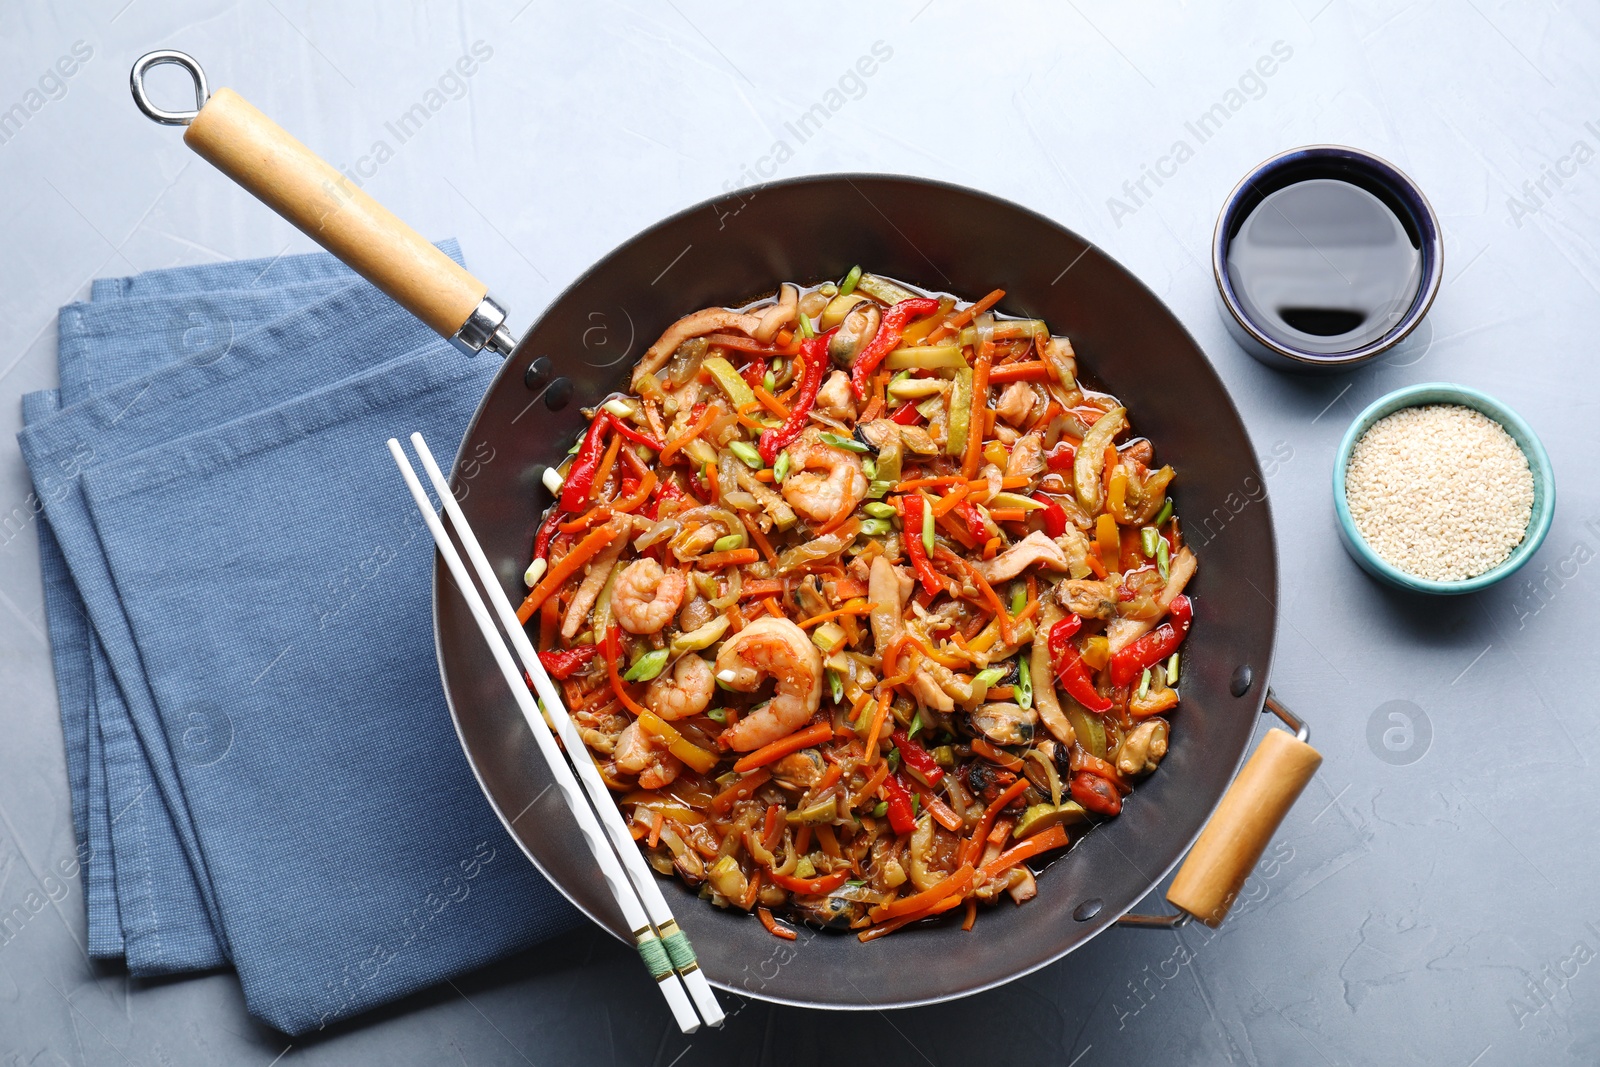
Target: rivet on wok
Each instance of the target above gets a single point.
(537, 372)
(1243, 676)
(559, 395)
(1088, 909)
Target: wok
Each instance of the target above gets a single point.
(727, 251)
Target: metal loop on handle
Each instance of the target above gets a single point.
(178, 59)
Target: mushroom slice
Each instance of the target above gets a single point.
(1006, 723)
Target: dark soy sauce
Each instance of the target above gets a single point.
(1324, 266)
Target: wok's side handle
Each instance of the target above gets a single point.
(1250, 813)
(331, 209)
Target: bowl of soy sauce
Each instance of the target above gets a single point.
(1325, 257)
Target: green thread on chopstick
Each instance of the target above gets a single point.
(655, 955)
(680, 950)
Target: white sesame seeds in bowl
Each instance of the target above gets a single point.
(1442, 489)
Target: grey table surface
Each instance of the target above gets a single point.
(1430, 900)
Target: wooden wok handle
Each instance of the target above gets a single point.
(326, 206)
(1250, 813)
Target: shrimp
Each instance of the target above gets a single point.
(683, 692)
(823, 497)
(645, 597)
(775, 648)
(641, 753)
(835, 397)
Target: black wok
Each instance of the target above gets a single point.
(726, 252)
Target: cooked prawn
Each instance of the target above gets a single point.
(773, 648)
(639, 752)
(684, 691)
(836, 399)
(645, 597)
(823, 497)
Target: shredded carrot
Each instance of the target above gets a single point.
(861, 702)
(941, 812)
(734, 557)
(656, 824)
(565, 568)
(980, 406)
(945, 504)
(611, 654)
(1008, 514)
(877, 723)
(1007, 630)
(647, 485)
(955, 883)
(761, 540)
(991, 548)
(549, 624)
(982, 484)
(751, 891)
(762, 475)
(955, 322)
(854, 607)
(770, 402)
(844, 516)
(1002, 830)
(802, 840)
(884, 929)
(986, 821)
(996, 755)
(972, 914)
(831, 775)
(764, 587)
(773, 926)
(598, 513)
(785, 338)
(1051, 410)
(607, 461)
(849, 587)
(955, 531)
(740, 790)
(923, 483)
(1043, 841)
(868, 790)
(773, 608)
(811, 735)
(707, 417)
(1036, 370)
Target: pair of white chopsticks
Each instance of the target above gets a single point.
(664, 947)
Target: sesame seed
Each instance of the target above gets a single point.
(1441, 491)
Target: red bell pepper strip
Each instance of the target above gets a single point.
(580, 476)
(809, 887)
(968, 514)
(815, 353)
(907, 414)
(547, 533)
(1096, 794)
(1155, 646)
(562, 664)
(1061, 457)
(1055, 519)
(911, 535)
(901, 820)
(888, 335)
(755, 372)
(633, 435)
(1070, 669)
(918, 759)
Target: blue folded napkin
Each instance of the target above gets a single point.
(260, 587)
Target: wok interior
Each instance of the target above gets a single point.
(944, 238)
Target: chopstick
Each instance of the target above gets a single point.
(643, 878)
(652, 946)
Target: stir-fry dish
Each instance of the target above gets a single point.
(862, 601)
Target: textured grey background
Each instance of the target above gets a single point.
(1430, 900)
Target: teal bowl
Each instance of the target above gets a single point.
(1544, 485)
